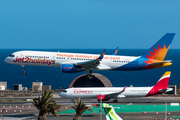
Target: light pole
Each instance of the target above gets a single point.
(165, 111)
(100, 107)
(3, 114)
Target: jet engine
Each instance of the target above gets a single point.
(68, 68)
(121, 96)
(104, 98)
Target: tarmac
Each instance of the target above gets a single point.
(130, 109)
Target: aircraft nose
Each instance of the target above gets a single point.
(61, 94)
(7, 60)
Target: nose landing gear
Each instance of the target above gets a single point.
(24, 71)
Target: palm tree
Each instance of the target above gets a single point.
(45, 105)
(80, 107)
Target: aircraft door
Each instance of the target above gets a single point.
(152, 91)
(71, 92)
(140, 62)
(110, 61)
(53, 57)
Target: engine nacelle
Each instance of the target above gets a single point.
(104, 98)
(121, 96)
(68, 68)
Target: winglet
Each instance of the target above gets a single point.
(124, 88)
(115, 52)
(102, 54)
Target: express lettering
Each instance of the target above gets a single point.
(30, 60)
(83, 92)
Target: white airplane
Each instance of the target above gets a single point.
(77, 62)
(107, 93)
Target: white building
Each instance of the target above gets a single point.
(3, 85)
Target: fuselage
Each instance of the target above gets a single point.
(56, 59)
(94, 92)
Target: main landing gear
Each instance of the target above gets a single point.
(115, 100)
(89, 74)
(24, 71)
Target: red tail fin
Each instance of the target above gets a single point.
(161, 85)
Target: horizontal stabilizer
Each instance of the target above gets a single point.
(169, 89)
(161, 63)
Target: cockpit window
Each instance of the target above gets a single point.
(11, 55)
(64, 91)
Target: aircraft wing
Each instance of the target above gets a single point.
(113, 95)
(91, 63)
